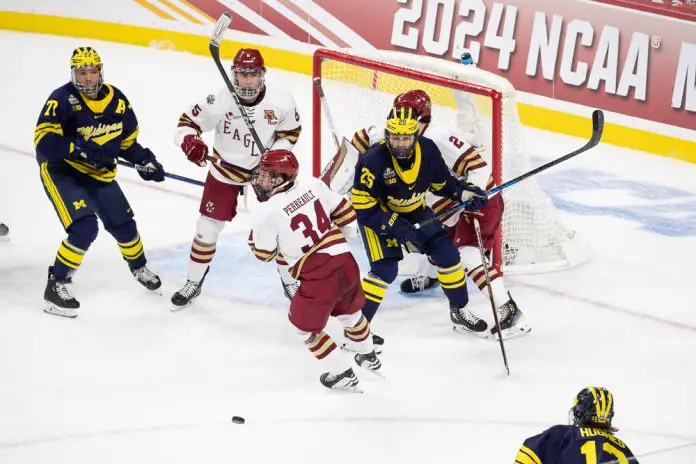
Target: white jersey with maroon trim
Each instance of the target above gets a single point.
(273, 115)
(464, 162)
(305, 219)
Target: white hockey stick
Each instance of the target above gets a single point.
(327, 113)
(484, 263)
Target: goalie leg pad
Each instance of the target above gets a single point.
(339, 172)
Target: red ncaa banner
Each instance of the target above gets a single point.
(613, 58)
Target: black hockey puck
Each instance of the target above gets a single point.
(238, 420)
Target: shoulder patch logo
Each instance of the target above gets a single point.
(210, 99)
(73, 100)
(270, 117)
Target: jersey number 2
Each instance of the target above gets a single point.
(589, 449)
(323, 224)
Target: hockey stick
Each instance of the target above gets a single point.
(484, 264)
(140, 168)
(597, 130)
(220, 28)
(327, 113)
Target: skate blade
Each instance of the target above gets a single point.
(175, 309)
(54, 310)
(462, 330)
(376, 373)
(346, 346)
(513, 332)
(355, 389)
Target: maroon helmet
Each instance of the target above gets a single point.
(419, 101)
(248, 63)
(276, 172)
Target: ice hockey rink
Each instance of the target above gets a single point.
(130, 381)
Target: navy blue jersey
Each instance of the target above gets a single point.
(108, 121)
(381, 187)
(568, 444)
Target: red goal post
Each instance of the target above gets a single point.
(360, 87)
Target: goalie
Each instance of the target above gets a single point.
(462, 152)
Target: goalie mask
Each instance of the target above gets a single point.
(419, 101)
(594, 406)
(248, 74)
(401, 133)
(276, 172)
(86, 71)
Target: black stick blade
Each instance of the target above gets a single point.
(597, 126)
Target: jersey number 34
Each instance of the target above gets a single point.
(323, 224)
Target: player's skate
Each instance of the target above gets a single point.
(466, 321)
(370, 362)
(512, 321)
(190, 291)
(59, 300)
(346, 380)
(418, 283)
(377, 344)
(4, 233)
(148, 279)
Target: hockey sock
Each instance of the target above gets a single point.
(431, 270)
(130, 244)
(375, 289)
(71, 252)
(357, 329)
(201, 256)
(500, 294)
(453, 282)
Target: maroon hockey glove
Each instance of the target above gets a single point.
(195, 149)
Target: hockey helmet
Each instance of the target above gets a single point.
(248, 64)
(84, 59)
(593, 406)
(276, 172)
(419, 101)
(401, 132)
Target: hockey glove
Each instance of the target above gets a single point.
(406, 233)
(150, 168)
(195, 149)
(472, 196)
(91, 153)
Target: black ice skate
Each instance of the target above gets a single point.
(59, 300)
(190, 291)
(4, 233)
(147, 279)
(370, 362)
(377, 343)
(346, 381)
(512, 321)
(418, 283)
(467, 322)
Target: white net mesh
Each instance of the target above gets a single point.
(359, 97)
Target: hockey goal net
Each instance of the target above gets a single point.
(360, 87)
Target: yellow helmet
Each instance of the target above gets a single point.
(401, 121)
(86, 57)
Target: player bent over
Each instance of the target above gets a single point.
(389, 190)
(589, 439)
(277, 124)
(299, 222)
(84, 127)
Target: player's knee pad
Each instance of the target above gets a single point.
(126, 232)
(385, 270)
(83, 232)
(208, 229)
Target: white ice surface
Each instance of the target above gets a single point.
(129, 381)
